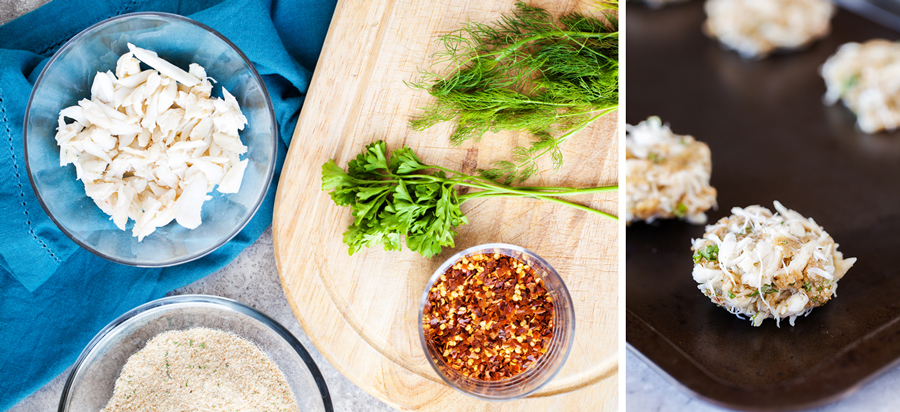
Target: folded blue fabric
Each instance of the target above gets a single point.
(55, 296)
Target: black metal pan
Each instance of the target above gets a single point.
(771, 139)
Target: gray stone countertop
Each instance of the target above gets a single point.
(10, 9)
(251, 279)
(647, 390)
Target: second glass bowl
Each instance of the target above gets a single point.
(91, 382)
(546, 367)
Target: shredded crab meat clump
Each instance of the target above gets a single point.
(667, 175)
(755, 28)
(149, 145)
(763, 265)
(867, 78)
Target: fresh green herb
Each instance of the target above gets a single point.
(653, 157)
(850, 82)
(166, 358)
(807, 286)
(710, 252)
(730, 295)
(820, 288)
(526, 72)
(767, 289)
(680, 210)
(755, 292)
(394, 196)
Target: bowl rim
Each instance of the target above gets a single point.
(227, 304)
(565, 350)
(269, 174)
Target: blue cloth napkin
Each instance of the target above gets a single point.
(55, 296)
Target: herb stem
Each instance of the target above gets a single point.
(479, 195)
(530, 157)
(527, 192)
(603, 110)
(562, 191)
(505, 51)
(488, 185)
(537, 193)
(582, 126)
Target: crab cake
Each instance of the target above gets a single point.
(867, 77)
(667, 175)
(755, 28)
(763, 265)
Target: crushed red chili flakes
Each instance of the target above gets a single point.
(489, 316)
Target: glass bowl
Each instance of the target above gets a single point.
(67, 78)
(546, 367)
(91, 382)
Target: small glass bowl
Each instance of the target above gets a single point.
(546, 367)
(91, 382)
(67, 78)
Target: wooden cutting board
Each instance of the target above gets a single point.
(361, 311)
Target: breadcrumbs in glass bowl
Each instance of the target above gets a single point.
(190, 326)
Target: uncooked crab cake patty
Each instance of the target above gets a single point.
(755, 28)
(867, 77)
(760, 265)
(667, 175)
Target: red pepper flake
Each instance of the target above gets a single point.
(489, 316)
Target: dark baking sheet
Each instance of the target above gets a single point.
(771, 139)
(886, 12)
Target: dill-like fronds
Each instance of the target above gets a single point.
(526, 72)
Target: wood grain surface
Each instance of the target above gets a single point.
(361, 311)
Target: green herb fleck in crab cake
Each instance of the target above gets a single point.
(760, 265)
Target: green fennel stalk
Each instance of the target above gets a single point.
(529, 73)
(394, 197)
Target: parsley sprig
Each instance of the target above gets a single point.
(393, 196)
